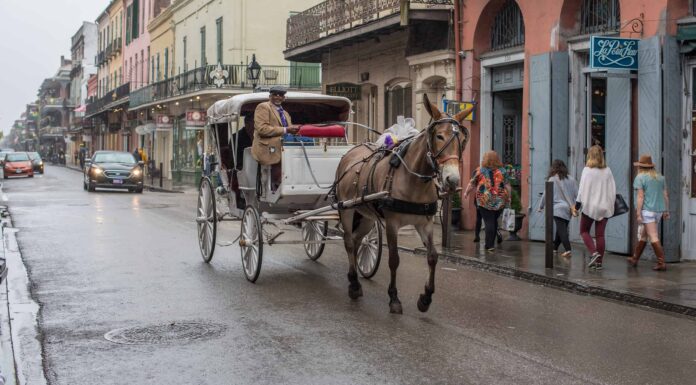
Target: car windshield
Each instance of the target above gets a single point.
(113, 157)
(17, 157)
(34, 156)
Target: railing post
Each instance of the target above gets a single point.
(447, 222)
(161, 174)
(548, 209)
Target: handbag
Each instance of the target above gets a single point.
(620, 206)
(508, 218)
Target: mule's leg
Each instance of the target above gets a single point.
(360, 230)
(426, 234)
(392, 240)
(348, 221)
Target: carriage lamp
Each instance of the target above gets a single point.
(253, 71)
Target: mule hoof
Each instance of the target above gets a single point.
(355, 293)
(424, 303)
(395, 308)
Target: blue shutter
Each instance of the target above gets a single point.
(540, 137)
(672, 87)
(618, 156)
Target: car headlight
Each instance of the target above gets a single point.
(137, 171)
(97, 171)
(41, 163)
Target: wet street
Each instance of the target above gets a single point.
(104, 261)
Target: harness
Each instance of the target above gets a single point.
(397, 159)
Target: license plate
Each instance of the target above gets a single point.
(118, 181)
(18, 171)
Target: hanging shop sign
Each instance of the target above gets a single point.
(453, 107)
(195, 118)
(613, 53)
(347, 90)
(164, 122)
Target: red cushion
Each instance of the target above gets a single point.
(332, 131)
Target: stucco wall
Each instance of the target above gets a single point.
(132, 66)
(548, 26)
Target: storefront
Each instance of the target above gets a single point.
(687, 38)
(188, 151)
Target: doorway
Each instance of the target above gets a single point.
(507, 126)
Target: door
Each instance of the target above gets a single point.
(507, 126)
(610, 127)
(688, 194)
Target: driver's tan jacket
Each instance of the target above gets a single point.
(268, 132)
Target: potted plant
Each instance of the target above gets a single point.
(456, 213)
(516, 204)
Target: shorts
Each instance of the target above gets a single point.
(650, 216)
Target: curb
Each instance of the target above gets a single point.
(571, 286)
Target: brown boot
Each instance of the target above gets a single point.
(660, 253)
(633, 261)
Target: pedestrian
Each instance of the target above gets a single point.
(565, 191)
(595, 200)
(492, 194)
(652, 204)
(479, 219)
(136, 155)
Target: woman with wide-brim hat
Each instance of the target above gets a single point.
(652, 204)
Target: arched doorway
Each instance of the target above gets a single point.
(398, 101)
(435, 87)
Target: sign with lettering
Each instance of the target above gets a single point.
(163, 121)
(195, 118)
(347, 90)
(613, 53)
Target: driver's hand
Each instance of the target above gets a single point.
(293, 129)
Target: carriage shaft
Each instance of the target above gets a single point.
(342, 205)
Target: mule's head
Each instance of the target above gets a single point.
(447, 138)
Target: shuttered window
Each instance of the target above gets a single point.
(600, 16)
(508, 27)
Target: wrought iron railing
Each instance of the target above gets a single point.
(333, 16)
(97, 105)
(600, 16)
(227, 77)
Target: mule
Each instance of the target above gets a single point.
(414, 179)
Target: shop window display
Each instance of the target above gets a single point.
(599, 113)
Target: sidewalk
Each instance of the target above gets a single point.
(673, 290)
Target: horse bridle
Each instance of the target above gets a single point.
(435, 160)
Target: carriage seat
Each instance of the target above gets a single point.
(329, 131)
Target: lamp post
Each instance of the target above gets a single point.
(253, 71)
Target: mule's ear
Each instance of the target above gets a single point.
(431, 108)
(464, 113)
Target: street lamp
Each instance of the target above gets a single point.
(253, 71)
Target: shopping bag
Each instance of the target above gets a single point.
(508, 220)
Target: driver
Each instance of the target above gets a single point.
(271, 122)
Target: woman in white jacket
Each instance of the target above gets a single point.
(596, 196)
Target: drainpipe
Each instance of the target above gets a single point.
(457, 49)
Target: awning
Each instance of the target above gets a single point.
(686, 34)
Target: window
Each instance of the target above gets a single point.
(159, 74)
(600, 16)
(218, 25)
(204, 61)
(398, 103)
(185, 65)
(598, 100)
(152, 68)
(142, 65)
(149, 78)
(129, 23)
(508, 27)
(135, 19)
(166, 63)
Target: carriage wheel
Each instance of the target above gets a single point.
(370, 252)
(206, 219)
(313, 231)
(251, 243)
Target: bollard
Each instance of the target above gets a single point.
(446, 221)
(161, 173)
(548, 216)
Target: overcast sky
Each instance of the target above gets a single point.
(33, 35)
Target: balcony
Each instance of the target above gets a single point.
(108, 52)
(111, 99)
(335, 23)
(116, 49)
(231, 77)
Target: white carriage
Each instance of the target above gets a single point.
(235, 187)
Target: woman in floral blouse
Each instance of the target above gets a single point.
(492, 193)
